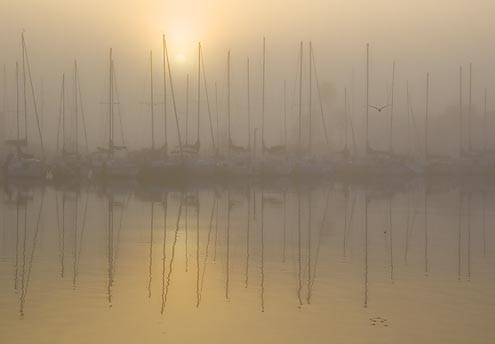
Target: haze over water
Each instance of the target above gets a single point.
(263, 171)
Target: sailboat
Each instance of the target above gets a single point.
(71, 163)
(307, 164)
(275, 161)
(158, 165)
(106, 163)
(20, 164)
(235, 165)
(196, 166)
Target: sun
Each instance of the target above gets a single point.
(180, 58)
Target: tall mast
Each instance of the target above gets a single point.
(263, 100)
(367, 95)
(485, 113)
(76, 106)
(199, 90)
(24, 88)
(110, 107)
(165, 96)
(391, 129)
(216, 117)
(249, 105)
(427, 113)
(346, 124)
(285, 114)
(187, 108)
(63, 113)
(173, 99)
(79, 96)
(228, 101)
(470, 143)
(4, 102)
(461, 146)
(408, 104)
(300, 97)
(33, 95)
(17, 103)
(207, 100)
(310, 96)
(152, 102)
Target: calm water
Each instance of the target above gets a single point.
(248, 264)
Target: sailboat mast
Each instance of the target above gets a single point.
(199, 91)
(24, 88)
(367, 96)
(461, 146)
(216, 116)
(300, 97)
(165, 97)
(485, 113)
(470, 112)
(173, 99)
(17, 96)
(263, 99)
(228, 101)
(152, 104)
(249, 105)
(427, 114)
(285, 114)
(391, 129)
(346, 124)
(76, 107)
(408, 104)
(110, 107)
(63, 113)
(310, 98)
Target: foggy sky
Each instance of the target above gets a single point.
(421, 36)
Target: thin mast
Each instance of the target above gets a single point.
(346, 124)
(216, 117)
(263, 99)
(300, 96)
(63, 113)
(152, 103)
(17, 103)
(408, 104)
(187, 107)
(485, 113)
(76, 105)
(228, 101)
(470, 143)
(285, 114)
(173, 98)
(427, 113)
(199, 89)
(249, 105)
(367, 95)
(24, 89)
(110, 108)
(78, 90)
(391, 138)
(165, 96)
(33, 96)
(461, 146)
(310, 100)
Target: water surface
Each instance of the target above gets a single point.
(248, 263)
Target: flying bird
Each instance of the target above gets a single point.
(381, 108)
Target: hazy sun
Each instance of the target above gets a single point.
(180, 58)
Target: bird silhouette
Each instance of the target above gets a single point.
(379, 109)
